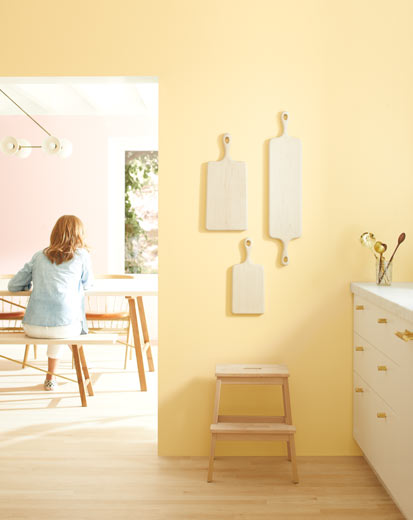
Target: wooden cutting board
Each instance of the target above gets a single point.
(226, 207)
(247, 285)
(285, 213)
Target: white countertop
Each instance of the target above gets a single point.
(397, 298)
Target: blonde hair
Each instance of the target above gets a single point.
(67, 235)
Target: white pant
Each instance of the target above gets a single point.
(65, 331)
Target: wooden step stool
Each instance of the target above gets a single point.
(253, 427)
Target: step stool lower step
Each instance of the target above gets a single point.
(258, 428)
(254, 431)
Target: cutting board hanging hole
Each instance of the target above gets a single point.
(227, 144)
(248, 246)
(284, 118)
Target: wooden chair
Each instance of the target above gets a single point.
(116, 319)
(11, 315)
(110, 315)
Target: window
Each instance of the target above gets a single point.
(141, 212)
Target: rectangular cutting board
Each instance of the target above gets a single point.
(285, 213)
(247, 285)
(226, 207)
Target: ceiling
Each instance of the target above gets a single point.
(80, 96)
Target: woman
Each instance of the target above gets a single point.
(60, 274)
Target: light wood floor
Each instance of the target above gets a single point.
(59, 461)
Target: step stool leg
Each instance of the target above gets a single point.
(76, 358)
(211, 457)
(213, 435)
(287, 411)
(288, 451)
(35, 351)
(26, 355)
(86, 371)
(216, 403)
(287, 403)
(293, 459)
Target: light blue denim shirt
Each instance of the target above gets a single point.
(57, 297)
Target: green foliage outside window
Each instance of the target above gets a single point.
(140, 173)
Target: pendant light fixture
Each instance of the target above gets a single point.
(51, 145)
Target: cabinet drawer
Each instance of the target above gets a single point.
(401, 351)
(376, 429)
(379, 371)
(369, 321)
(379, 328)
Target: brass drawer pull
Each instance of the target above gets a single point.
(382, 320)
(359, 307)
(382, 368)
(405, 336)
(359, 390)
(359, 349)
(381, 415)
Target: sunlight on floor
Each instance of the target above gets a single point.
(29, 412)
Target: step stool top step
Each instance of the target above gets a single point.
(270, 428)
(251, 371)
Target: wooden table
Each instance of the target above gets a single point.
(132, 289)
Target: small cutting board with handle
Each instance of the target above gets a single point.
(247, 285)
(226, 207)
(285, 188)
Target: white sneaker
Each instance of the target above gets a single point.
(50, 384)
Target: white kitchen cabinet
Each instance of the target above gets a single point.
(383, 385)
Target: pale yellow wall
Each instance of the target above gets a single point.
(344, 71)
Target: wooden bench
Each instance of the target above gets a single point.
(76, 344)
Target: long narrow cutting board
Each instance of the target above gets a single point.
(226, 207)
(285, 158)
(247, 285)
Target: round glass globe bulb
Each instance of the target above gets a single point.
(9, 145)
(51, 145)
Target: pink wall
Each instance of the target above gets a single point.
(35, 191)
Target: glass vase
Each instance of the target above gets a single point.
(384, 272)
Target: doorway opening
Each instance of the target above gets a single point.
(112, 123)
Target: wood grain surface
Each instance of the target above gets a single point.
(226, 207)
(285, 213)
(247, 285)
